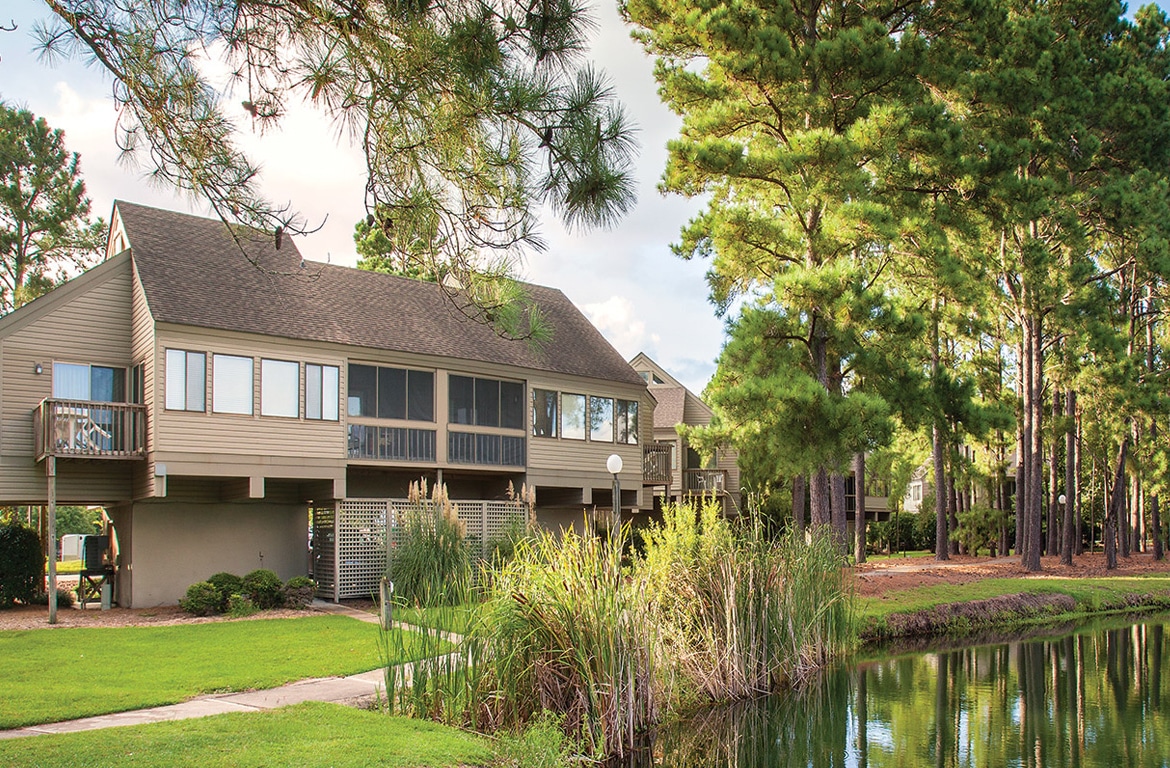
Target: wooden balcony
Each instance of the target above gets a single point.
(89, 430)
(656, 464)
(700, 481)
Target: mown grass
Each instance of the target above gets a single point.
(63, 674)
(67, 567)
(902, 555)
(305, 735)
(1092, 595)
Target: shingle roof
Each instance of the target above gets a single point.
(193, 273)
(671, 402)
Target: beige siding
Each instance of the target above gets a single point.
(87, 321)
(572, 463)
(142, 351)
(249, 441)
(175, 544)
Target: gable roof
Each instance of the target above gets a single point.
(193, 273)
(673, 398)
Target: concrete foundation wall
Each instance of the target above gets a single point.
(167, 546)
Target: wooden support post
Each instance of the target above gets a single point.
(51, 471)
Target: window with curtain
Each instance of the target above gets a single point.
(280, 388)
(96, 383)
(186, 384)
(321, 391)
(231, 381)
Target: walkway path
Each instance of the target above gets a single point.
(340, 690)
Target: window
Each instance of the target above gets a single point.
(512, 405)
(280, 388)
(231, 382)
(601, 419)
(573, 417)
(391, 393)
(627, 422)
(95, 383)
(186, 383)
(544, 413)
(321, 390)
(485, 402)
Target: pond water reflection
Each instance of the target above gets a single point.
(1087, 699)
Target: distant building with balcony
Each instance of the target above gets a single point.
(213, 391)
(674, 470)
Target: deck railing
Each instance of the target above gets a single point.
(84, 429)
(656, 464)
(705, 480)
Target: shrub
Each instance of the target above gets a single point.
(21, 564)
(264, 588)
(227, 584)
(542, 744)
(65, 598)
(298, 592)
(202, 599)
(240, 606)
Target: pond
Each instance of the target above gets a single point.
(1088, 698)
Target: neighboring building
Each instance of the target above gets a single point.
(208, 402)
(674, 470)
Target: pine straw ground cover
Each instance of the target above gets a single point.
(925, 598)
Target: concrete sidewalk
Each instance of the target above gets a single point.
(341, 690)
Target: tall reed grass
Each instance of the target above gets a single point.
(710, 611)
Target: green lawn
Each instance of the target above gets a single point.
(1090, 594)
(902, 555)
(306, 735)
(62, 674)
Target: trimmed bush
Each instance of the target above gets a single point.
(202, 599)
(240, 606)
(21, 564)
(227, 584)
(263, 588)
(65, 598)
(298, 592)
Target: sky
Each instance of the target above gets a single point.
(625, 279)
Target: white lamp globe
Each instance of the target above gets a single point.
(1062, 498)
(613, 464)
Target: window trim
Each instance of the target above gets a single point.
(186, 353)
(215, 388)
(264, 379)
(322, 399)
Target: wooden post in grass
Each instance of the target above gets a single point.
(51, 471)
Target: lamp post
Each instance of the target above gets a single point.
(614, 465)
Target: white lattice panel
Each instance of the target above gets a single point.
(361, 547)
(350, 552)
(324, 560)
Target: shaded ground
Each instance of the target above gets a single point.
(897, 574)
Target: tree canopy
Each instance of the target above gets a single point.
(472, 114)
(45, 231)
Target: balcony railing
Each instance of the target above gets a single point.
(705, 481)
(656, 464)
(89, 430)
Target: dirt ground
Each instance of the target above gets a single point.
(871, 579)
(896, 574)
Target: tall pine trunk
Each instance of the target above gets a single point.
(1116, 508)
(799, 484)
(818, 497)
(838, 511)
(941, 549)
(1070, 479)
(1052, 546)
(859, 514)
